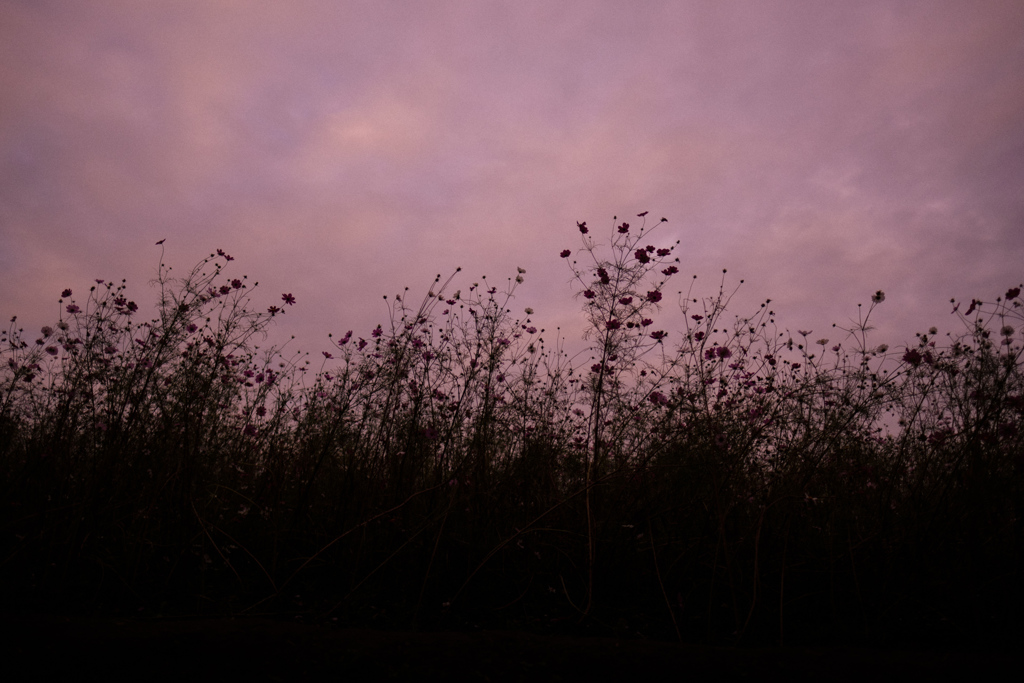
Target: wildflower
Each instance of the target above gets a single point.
(654, 297)
(671, 270)
(250, 430)
(65, 294)
(566, 253)
(531, 330)
(529, 311)
(589, 294)
(521, 270)
(519, 279)
(224, 289)
(237, 284)
(646, 321)
(613, 324)
(99, 282)
(273, 310)
(595, 368)
(1012, 293)
(1007, 331)
(603, 274)
(47, 331)
(724, 352)
(882, 348)
(802, 333)
(658, 398)
(664, 252)
(583, 227)
(933, 330)
(220, 252)
(659, 335)
(698, 318)
(624, 228)
(709, 354)
(626, 300)
(913, 357)
(822, 342)
(641, 256)
(878, 297)
(52, 350)
(73, 308)
(132, 307)
(288, 299)
(327, 355)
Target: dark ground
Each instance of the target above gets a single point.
(40, 647)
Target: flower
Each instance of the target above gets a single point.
(659, 335)
(529, 311)
(664, 252)
(913, 357)
(220, 252)
(1007, 331)
(52, 350)
(624, 228)
(658, 398)
(566, 253)
(803, 333)
(641, 256)
(671, 270)
(724, 352)
(237, 284)
(1012, 293)
(47, 330)
(71, 308)
(646, 321)
(654, 297)
(878, 297)
(589, 294)
(583, 227)
(192, 327)
(531, 330)
(822, 342)
(519, 279)
(521, 270)
(273, 310)
(327, 355)
(66, 293)
(626, 300)
(613, 324)
(288, 299)
(224, 289)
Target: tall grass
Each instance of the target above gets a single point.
(726, 482)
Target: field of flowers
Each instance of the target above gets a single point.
(728, 482)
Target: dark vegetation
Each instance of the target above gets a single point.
(724, 483)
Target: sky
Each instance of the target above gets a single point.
(342, 151)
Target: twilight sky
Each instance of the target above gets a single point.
(341, 151)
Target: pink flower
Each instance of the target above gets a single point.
(613, 324)
(646, 321)
(724, 352)
(671, 270)
(583, 227)
(624, 228)
(52, 350)
(71, 308)
(626, 300)
(237, 284)
(531, 330)
(327, 355)
(220, 252)
(589, 294)
(664, 252)
(659, 335)
(273, 310)
(288, 299)
(641, 256)
(192, 327)
(566, 253)
(654, 297)
(66, 293)
(224, 289)
(1012, 293)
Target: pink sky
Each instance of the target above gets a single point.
(341, 151)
